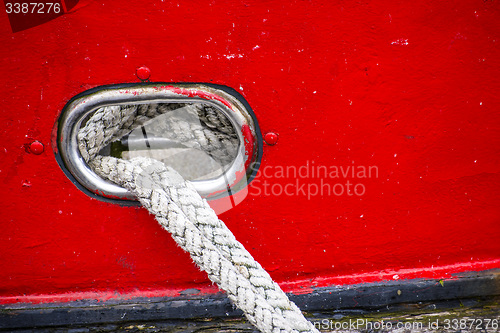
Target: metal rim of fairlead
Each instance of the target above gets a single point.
(225, 99)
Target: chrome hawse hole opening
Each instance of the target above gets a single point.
(211, 142)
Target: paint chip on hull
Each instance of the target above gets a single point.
(400, 41)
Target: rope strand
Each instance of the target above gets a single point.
(192, 223)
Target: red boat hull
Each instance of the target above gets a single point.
(406, 92)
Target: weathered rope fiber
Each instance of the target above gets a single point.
(192, 223)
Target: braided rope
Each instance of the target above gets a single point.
(192, 223)
(212, 134)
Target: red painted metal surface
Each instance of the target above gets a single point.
(409, 89)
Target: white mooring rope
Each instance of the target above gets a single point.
(192, 223)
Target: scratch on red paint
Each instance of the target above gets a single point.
(103, 296)
(448, 272)
(303, 291)
(248, 142)
(198, 93)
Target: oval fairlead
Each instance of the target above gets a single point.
(208, 133)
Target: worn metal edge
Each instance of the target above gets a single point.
(363, 297)
(231, 92)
